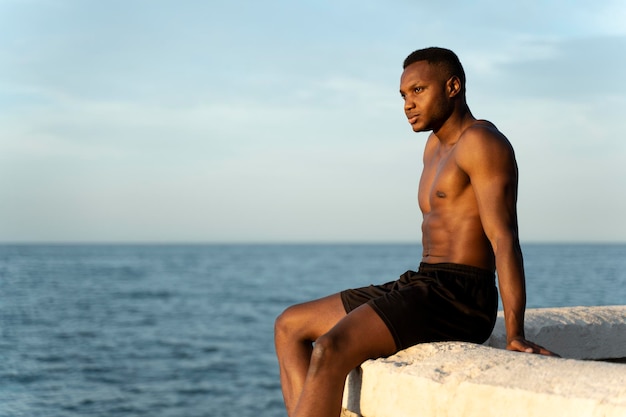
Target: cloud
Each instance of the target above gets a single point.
(573, 69)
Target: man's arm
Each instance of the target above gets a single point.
(487, 157)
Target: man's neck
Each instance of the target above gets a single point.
(450, 132)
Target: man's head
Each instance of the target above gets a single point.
(432, 87)
(445, 59)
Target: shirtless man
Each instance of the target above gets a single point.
(467, 194)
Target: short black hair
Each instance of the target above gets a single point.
(442, 57)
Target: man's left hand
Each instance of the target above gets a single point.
(522, 345)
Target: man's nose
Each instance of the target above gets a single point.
(408, 104)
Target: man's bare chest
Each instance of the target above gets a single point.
(442, 183)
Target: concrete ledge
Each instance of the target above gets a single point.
(573, 332)
(463, 379)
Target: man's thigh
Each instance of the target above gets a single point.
(315, 318)
(362, 334)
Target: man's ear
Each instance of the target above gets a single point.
(454, 86)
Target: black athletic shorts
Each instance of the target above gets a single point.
(439, 302)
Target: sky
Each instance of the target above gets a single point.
(232, 121)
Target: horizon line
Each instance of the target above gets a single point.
(276, 243)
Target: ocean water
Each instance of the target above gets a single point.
(157, 330)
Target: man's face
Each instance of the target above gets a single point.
(426, 104)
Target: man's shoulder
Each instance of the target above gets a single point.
(482, 133)
(431, 145)
(482, 145)
(482, 129)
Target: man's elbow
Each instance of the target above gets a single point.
(506, 240)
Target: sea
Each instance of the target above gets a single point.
(187, 330)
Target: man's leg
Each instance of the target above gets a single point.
(359, 336)
(295, 330)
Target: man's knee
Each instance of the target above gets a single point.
(328, 351)
(307, 321)
(286, 324)
(281, 323)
